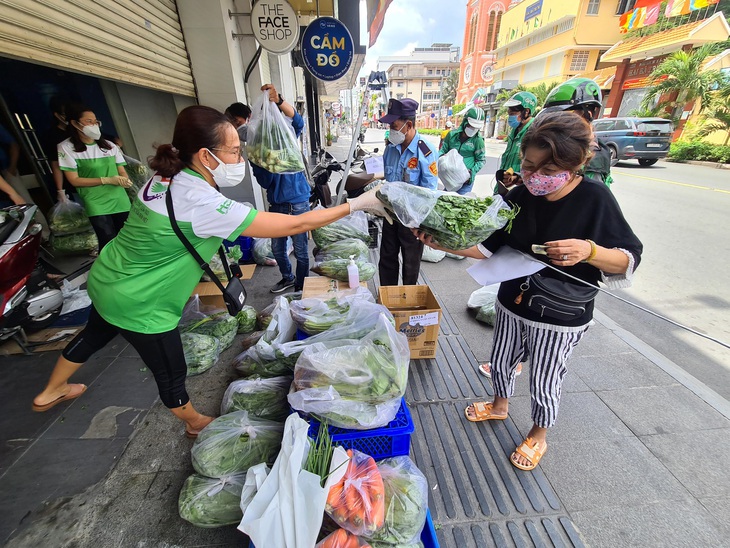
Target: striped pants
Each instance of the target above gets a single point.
(549, 347)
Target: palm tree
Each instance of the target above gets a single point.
(451, 84)
(681, 73)
(717, 113)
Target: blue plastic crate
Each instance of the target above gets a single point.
(301, 335)
(428, 535)
(391, 440)
(246, 245)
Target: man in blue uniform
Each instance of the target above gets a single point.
(411, 159)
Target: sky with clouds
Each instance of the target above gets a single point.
(417, 23)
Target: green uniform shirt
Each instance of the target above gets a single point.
(143, 278)
(96, 162)
(471, 150)
(511, 155)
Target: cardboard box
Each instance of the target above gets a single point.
(54, 338)
(322, 287)
(211, 295)
(417, 315)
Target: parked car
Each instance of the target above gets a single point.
(643, 139)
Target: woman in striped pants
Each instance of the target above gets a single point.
(582, 235)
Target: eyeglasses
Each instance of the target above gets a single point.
(90, 122)
(238, 151)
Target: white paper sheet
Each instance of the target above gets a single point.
(374, 164)
(505, 264)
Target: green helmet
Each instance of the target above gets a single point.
(575, 92)
(523, 99)
(474, 117)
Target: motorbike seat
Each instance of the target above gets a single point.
(356, 181)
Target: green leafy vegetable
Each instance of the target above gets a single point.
(314, 316)
(201, 352)
(343, 249)
(211, 502)
(81, 242)
(67, 217)
(337, 269)
(246, 319)
(221, 325)
(262, 398)
(337, 231)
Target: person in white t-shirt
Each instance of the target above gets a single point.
(143, 278)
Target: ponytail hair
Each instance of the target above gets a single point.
(196, 127)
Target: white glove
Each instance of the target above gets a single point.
(116, 180)
(61, 194)
(370, 203)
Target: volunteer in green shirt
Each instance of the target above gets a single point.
(143, 278)
(520, 108)
(96, 168)
(469, 143)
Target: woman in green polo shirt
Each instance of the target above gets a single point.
(142, 279)
(96, 168)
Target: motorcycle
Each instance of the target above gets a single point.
(28, 299)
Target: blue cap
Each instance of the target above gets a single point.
(399, 109)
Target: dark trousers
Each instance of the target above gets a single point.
(162, 353)
(107, 227)
(396, 239)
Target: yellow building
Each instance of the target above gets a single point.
(553, 40)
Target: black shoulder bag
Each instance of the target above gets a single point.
(234, 294)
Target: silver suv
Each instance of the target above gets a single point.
(643, 139)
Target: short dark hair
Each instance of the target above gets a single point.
(411, 119)
(196, 127)
(239, 110)
(564, 135)
(57, 104)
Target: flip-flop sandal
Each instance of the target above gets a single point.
(486, 370)
(70, 396)
(532, 451)
(191, 435)
(482, 412)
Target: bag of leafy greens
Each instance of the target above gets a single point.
(220, 325)
(343, 249)
(262, 398)
(67, 217)
(78, 242)
(138, 173)
(201, 352)
(356, 384)
(246, 319)
(406, 502)
(316, 315)
(211, 502)
(482, 300)
(231, 444)
(271, 141)
(354, 225)
(454, 221)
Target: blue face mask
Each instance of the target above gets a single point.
(513, 121)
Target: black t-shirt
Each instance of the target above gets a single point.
(589, 211)
(50, 139)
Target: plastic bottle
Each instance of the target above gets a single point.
(353, 274)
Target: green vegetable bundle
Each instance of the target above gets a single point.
(406, 502)
(80, 242)
(354, 226)
(314, 316)
(67, 217)
(201, 352)
(343, 249)
(231, 444)
(337, 269)
(211, 502)
(220, 325)
(455, 222)
(138, 173)
(246, 319)
(271, 142)
(262, 398)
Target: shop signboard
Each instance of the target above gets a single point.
(275, 25)
(327, 49)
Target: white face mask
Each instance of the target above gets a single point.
(397, 137)
(470, 131)
(227, 174)
(92, 132)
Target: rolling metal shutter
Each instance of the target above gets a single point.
(133, 41)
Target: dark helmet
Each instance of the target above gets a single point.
(575, 93)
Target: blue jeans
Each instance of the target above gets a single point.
(301, 245)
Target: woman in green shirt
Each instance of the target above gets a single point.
(143, 278)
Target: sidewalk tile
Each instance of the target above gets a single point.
(595, 474)
(700, 460)
(662, 410)
(619, 371)
(651, 525)
(720, 508)
(600, 342)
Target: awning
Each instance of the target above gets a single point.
(375, 17)
(603, 77)
(712, 29)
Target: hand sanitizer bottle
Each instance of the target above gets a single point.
(353, 274)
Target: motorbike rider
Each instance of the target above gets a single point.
(470, 144)
(520, 109)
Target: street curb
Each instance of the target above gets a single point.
(715, 165)
(700, 389)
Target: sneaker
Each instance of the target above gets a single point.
(282, 286)
(486, 369)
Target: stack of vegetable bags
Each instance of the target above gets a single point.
(454, 221)
(271, 141)
(314, 315)
(353, 383)
(71, 231)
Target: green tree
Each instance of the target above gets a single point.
(541, 91)
(717, 113)
(448, 93)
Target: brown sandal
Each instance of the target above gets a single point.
(530, 449)
(70, 396)
(482, 412)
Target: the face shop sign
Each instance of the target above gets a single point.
(275, 25)
(327, 49)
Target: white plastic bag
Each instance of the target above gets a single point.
(452, 171)
(317, 315)
(482, 300)
(262, 398)
(211, 502)
(271, 141)
(288, 509)
(67, 217)
(431, 255)
(74, 298)
(254, 480)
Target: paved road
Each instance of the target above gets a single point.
(681, 214)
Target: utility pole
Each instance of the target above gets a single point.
(441, 98)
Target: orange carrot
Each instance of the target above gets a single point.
(335, 495)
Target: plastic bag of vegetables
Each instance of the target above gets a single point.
(482, 300)
(337, 269)
(357, 501)
(316, 315)
(79, 242)
(231, 444)
(246, 319)
(262, 398)
(271, 141)
(220, 325)
(354, 225)
(406, 502)
(201, 352)
(211, 502)
(356, 384)
(343, 250)
(342, 538)
(431, 255)
(67, 217)
(138, 173)
(455, 222)
(280, 329)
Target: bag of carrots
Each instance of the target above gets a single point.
(357, 501)
(342, 539)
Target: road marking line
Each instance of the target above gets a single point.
(675, 182)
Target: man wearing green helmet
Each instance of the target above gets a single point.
(520, 108)
(470, 144)
(583, 96)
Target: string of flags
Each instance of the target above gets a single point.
(646, 12)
